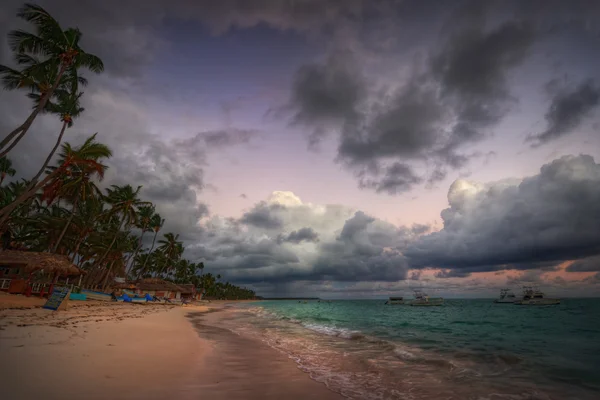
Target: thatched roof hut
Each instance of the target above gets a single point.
(157, 284)
(34, 261)
(187, 288)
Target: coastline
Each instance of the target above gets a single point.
(133, 351)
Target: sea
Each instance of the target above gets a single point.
(466, 349)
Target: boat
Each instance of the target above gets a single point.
(95, 295)
(423, 300)
(534, 297)
(395, 300)
(506, 296)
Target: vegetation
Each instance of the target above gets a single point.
(66, 212)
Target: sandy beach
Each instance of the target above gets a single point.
(134, 351)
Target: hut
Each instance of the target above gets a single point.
(188, 291)
(17, 268)
(159, 288)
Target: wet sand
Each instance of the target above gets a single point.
(134, 351)
(239, 367)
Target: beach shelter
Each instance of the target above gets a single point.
(29, 262)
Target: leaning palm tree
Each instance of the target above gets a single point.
(124, 203)
(156, 223)
(145, 214)
(84, 157)
(79, 185)
(68, 108)
(172, 249)
(60, 50)
(6, 169)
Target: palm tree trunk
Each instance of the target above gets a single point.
(62, 234)
(107, 275)
(6, 211)
(27, 124)
(79, 242)
(58, 141)
(143, 269)
(111, 243)
(132, 258)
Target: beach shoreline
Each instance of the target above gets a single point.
(139, 351)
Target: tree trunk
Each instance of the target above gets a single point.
(79, 242)
(27, 124)
(111, 243)
(143, 269)
(135, 253)
(58, 141)
(6, 211)
(62, 234)
(107, 275)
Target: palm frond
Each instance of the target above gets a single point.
(21, 41)
(45, 24)
(89, 61)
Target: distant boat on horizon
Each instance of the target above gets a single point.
(423, 300)
(506, 296)
(395, 301)
(534, 297)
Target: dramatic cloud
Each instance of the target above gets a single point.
(263, 216)
(553, 216)
(284, 239)
(301, 235)
(591, 264)
(568, 109)
(327, 95)
(388, 133)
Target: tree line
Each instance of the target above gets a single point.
(62, 209)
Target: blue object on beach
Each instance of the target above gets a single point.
(77, 296)
(148, 297)
(126, 298)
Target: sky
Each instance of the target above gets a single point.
(349, 148)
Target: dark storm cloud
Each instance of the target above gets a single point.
(301, 235)
(263, 216)
(547, 218)
(331, 244)
(397, 178)
(327, 95)
(568, 109)
(449, 103)
(590, 264)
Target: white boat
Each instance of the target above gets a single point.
(395, 300)
(534, 297)
(423, 300)
(506, 296)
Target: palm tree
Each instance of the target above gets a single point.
(145, 214)
(172, 249)
(6, 169)
(78, 186)
(59, 48)
(67, 108)
(156, 223)
(84, 157)
(124, 203)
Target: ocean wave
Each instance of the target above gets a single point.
(332, 331)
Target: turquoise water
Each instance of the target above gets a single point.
(464, 349)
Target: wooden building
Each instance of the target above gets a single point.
(29, 272)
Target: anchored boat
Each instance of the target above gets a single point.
(395, 300)
(506, 296)
(422, 299)
(534, 297)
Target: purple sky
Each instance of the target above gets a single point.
(366, 111)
